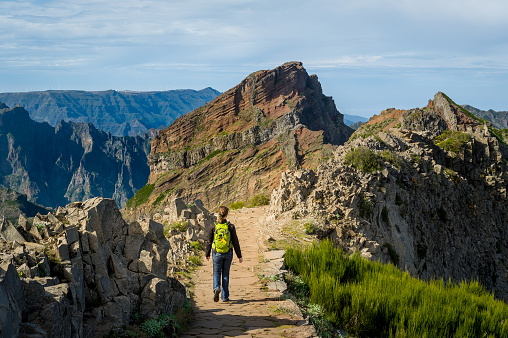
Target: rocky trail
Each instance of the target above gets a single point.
(253, 310)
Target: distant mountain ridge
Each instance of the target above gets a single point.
(498, 118)
(71, 162)
(121, 113)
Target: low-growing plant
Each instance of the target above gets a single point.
(196, 260)
(391, 158)
(364, 160)
(163, 326)
(141, 196)
(259, 200)
(310, 228)
(453, 141)
(197, 246)
(369, 299)
(237, 205)
(177, 225)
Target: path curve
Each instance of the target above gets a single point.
(252, 311)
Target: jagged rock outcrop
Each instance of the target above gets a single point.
(238, 144)
(71, 162)
(87, 272)
(435, 206)
(121, 113)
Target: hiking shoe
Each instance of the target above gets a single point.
(216, 293)
(226, 300)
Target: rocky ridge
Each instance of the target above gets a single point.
(238, 144)
(83, 271)
(121, 113)
(70, 162)
(427, 193)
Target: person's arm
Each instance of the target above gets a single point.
(209, 242)
(236, 243)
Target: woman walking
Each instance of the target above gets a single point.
(222, 239)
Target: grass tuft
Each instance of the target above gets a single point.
(369, 299)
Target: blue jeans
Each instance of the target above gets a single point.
(221, 266)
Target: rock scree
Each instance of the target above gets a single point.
(83, 271)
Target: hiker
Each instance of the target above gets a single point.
(222, 239)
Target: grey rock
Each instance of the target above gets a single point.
(9, 233)
(12, 301)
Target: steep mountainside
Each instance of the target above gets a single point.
(13, 204)
(428, 194)
(120, 113)
(74, 161)
(498, 118)
(237, 145)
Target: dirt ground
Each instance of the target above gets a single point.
(252, 311)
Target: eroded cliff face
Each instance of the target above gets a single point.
(435, 205)
(72, 162)
(238, 144)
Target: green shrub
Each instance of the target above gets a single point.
(141, 196)
(391, 158)
(259, 200)
(364, 160)
(196, 260)
(197, 246)
(369, 299)
(310, 228)
(453, 141)
(163, 326)
(161, 197)
(237, 205)
(213, 154)
(178, 225)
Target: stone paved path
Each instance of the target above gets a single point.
(251, 311)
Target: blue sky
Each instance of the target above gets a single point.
(368, 54)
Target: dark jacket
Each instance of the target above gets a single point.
(234, 240)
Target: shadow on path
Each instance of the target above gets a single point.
(219, 323)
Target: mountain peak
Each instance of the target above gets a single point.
(272, 120)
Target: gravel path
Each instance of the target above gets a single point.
(252, 311)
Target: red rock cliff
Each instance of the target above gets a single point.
(237, 145)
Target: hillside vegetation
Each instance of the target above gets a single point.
(369, 299)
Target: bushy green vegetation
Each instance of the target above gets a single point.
(256, 201)
(237, 205)
(141, 196)
(196, 260)
(178, 225)
(391, 158)
(453, 141)
(310, 228)
(369, 299)
(197, 246)
(213, 154)
(364, 160)
(259, 200)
